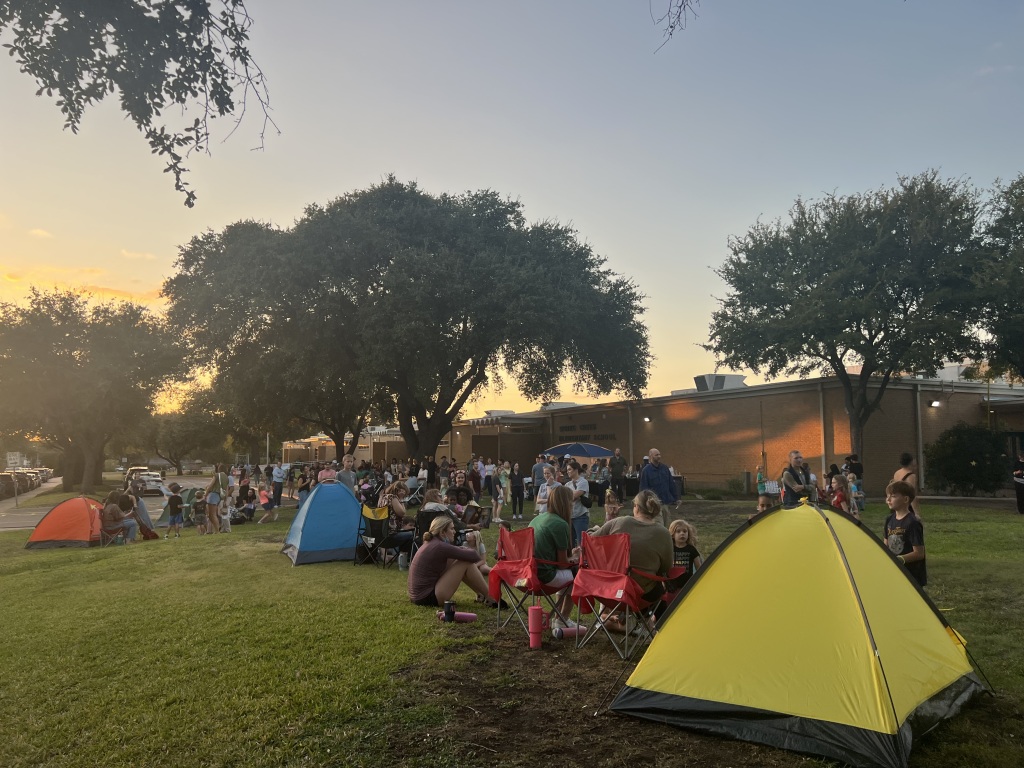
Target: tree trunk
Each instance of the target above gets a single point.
(88, 472)
(72, 467)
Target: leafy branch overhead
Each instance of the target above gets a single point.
(191, 55)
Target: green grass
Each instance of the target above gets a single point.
(213, 651)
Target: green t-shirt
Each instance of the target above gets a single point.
(551, 536)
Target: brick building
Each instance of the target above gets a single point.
(714, 436)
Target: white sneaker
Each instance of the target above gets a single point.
(558, 623)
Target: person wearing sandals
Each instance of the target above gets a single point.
(440, 567)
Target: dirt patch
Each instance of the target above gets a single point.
(505, 705)
(510, 706)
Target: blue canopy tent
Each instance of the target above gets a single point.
(588, 450)
(325, 527)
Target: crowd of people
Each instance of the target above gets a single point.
(564, 490)
(903, 531)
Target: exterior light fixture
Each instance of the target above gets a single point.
(647, 419)
(935, 403)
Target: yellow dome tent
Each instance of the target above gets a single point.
(803, 632)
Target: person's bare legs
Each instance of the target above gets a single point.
(213, 518)
(459, 572)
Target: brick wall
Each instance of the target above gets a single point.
(715, 437)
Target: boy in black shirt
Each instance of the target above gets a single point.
(174, 511)
(904, 531)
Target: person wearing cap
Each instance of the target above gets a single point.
(328, 473)
(175, 513)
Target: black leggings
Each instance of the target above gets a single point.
(517, 500)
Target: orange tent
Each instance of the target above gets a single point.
(72, 523)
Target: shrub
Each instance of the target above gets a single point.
(967, 459)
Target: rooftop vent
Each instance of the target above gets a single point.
(710, 382)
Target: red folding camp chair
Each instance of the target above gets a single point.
(605, 588)
(514, 576)
(673, 573)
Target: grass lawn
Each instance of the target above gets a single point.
(214, 651)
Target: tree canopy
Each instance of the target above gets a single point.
(866, 287)
(1004, 313)
(75, 373)
(192, 55)
(408, 303)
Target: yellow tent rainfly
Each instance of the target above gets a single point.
(803, 632)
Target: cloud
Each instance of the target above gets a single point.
(1006, 69)
(137, 256)
(10, 277)
(42, 234)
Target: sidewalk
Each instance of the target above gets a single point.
(25, 515)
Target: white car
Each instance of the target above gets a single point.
(154, 483)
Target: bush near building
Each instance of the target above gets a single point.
(966, 459)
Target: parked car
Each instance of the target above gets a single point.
(35, 479)
(31, 479)
(154, 484)
(24, 482)
(7, 484)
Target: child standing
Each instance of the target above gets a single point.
(765, 501)
(904, 531)
(227, 509)
(199, 511)
(685, 557)
(856, 491)
(612, 505)
(175, 513)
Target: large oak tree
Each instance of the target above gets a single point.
(395, 299)
(866, 287)
(1004, 313)
(76, 373)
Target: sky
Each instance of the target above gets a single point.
(657, 154)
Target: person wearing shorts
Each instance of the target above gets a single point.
(175, 515)
(199, 511)
(551, 542)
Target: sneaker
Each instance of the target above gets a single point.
(165, 536)
(557, 622)
(177, 535)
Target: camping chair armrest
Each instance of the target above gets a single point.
(646, 575)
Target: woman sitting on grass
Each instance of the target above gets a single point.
(440, 566)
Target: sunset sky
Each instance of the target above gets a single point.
(657, 155)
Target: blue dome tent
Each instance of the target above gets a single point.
(325, 527)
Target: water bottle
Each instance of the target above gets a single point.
(403, 561)
(119, 539)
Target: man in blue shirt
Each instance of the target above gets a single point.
(277, 475)
(656, 477)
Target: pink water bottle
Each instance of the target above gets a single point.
(560, 633)
(535, 624)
